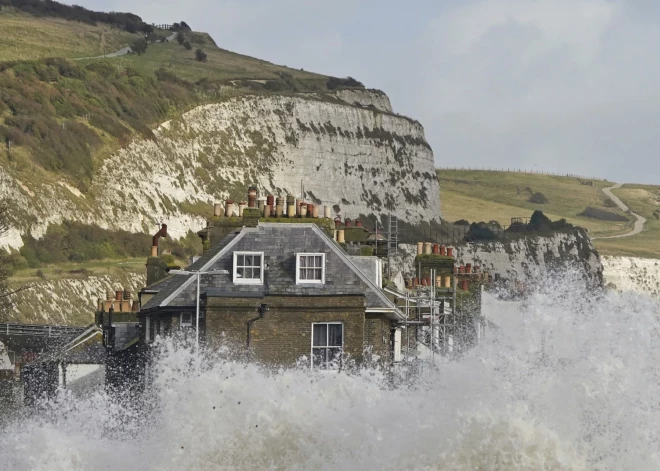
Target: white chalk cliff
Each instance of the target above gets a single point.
(348, 151)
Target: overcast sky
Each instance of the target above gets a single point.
(555, 85)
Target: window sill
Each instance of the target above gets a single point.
(248, 282)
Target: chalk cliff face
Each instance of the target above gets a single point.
(640, 275)
(70, 301)
(524, 259)
(358, 158)
(528, 258)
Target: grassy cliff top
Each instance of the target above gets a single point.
(477, 195)
(27, 37)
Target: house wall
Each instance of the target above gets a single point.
(283, 335)
(377, 335)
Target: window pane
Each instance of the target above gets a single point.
(319, 357)
(334, 356)
(240, 261)
(303, 261)
(317, 261)
(248, 272)
(248, 260)
(335, 335)
(320, 335)
(240, 272)
(256, 260)
(316, 274)
(256, 273)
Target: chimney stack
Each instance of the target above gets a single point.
(279, 208)
(358, 222)
(252, 197)
(290, 206)
(420, 248)
(327, 212)
(217, 209)
(229, 208)
(241, 206)
(261, 202)
(348, 222)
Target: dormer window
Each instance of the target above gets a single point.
(249, 268)
(310, 268)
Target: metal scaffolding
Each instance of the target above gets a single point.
(437, 324)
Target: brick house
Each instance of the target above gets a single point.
(291, 293)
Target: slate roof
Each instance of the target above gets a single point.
(280, 243)
(367, 265)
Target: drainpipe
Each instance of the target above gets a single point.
(262, 311)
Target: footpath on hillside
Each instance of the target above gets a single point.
(639, 220)
(123, 51)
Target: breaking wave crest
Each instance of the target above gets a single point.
(570, 381)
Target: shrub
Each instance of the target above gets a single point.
(462, 222)
(180, 38)
(187, 45)
(333, 83)
(200, 55)
(538, 198)
(139, 46)
(603, 215)
(480, 231)
(540, 221)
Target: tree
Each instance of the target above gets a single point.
(538, 198)
(139, 46)
(185, 27)
(187, 45)
(147, 28)
(540, 221)
(180, 37)
(200, 55)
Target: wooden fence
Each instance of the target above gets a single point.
(529, 172)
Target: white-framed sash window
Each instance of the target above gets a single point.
(186, 319)
(310, 268)
(327, 345)
(249, 268)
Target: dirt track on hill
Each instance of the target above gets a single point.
(639, 222)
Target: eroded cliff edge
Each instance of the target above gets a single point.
(360, 159)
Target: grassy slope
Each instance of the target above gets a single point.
(645, 201)
(485, 196)
(47, 102)
(221, 65)
(27, 38)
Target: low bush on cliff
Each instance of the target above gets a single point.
(61, 112)
(603, 215)
(76, 242)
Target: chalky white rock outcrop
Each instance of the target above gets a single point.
(523, 259)
(355, 158)
(72, 300)
(639, 275)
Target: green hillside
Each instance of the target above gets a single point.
(645, 201)
(499, 196)
(62, 113)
